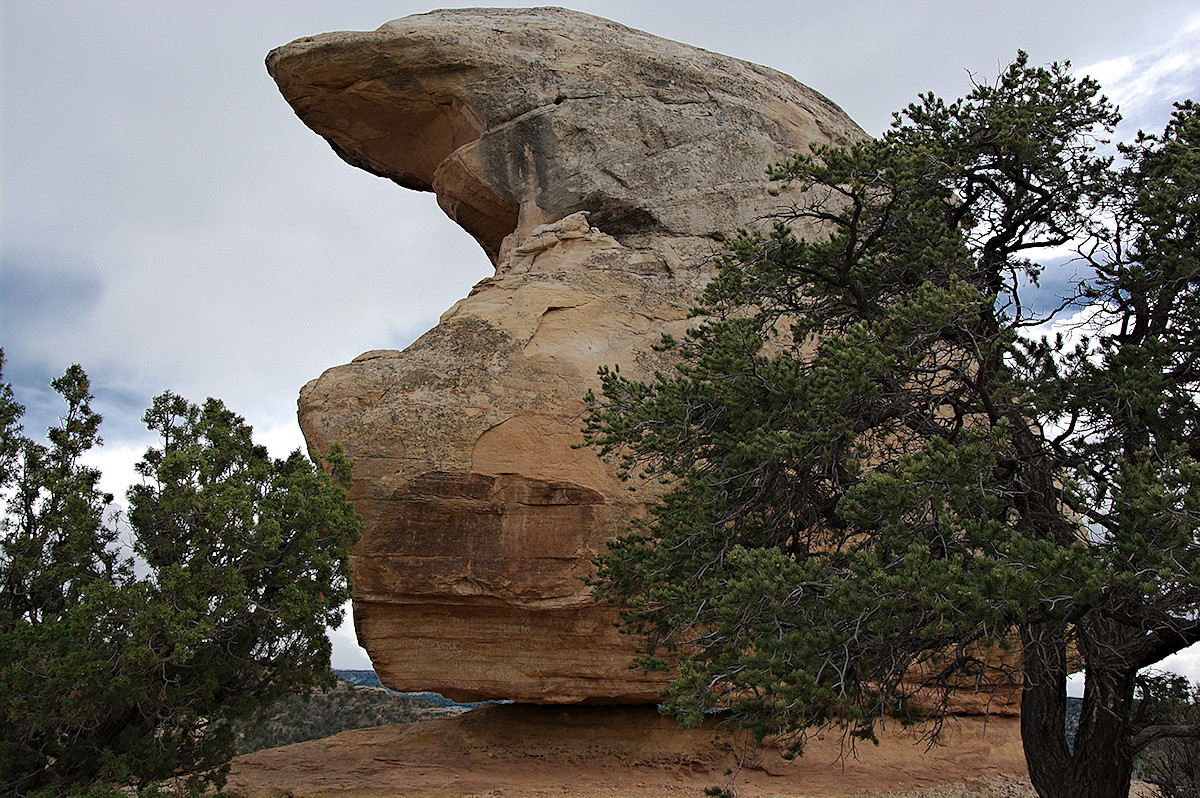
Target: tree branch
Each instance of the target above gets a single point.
(1159, 732)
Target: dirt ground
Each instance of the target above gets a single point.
(520, 751)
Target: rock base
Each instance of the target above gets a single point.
(526, 750)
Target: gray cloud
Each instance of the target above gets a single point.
(39, 294)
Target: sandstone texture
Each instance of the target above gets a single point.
(599, 168)
(600, 752)
(517, 118)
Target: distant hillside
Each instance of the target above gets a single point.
(369, 679)
(358, 701)
(1074, 706)
(359, 678)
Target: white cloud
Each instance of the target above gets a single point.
(347, 653)
(1186, 662)
(116, 464)
(1145, 83)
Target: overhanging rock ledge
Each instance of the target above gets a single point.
(599, 168)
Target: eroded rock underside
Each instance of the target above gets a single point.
(599, 168)
(601, 752)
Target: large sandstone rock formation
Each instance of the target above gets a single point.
(599, 168)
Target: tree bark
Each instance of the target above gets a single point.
(1044, 707)
(1101, 764)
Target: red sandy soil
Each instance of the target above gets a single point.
(524, 750)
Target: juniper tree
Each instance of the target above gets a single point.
(111, 674)
(880, 468)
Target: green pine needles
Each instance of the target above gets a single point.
(888, 483)
(124, 671)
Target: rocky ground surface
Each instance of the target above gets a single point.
(524, 750)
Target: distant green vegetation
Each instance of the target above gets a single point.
(1074, 707)
(133, 661)
(358, 678)
(294, 719)
(368, 678)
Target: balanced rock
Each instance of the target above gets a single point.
(599, 168)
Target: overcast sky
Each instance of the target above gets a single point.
(167, 222)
